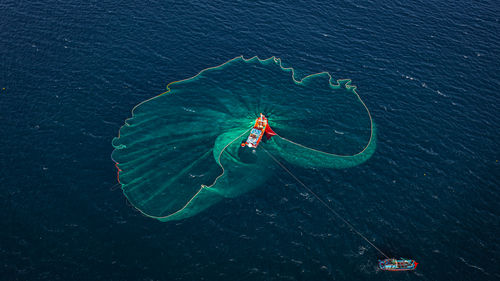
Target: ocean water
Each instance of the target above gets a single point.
(70, 72)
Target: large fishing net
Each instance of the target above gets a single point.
(178, 153)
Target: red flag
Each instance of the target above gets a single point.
(269, 132)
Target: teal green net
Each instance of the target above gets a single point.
(179, 152)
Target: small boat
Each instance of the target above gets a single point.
(397, 264)
(260, 129)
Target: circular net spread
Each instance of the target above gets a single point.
(178, 153)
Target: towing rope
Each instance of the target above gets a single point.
(324, 203)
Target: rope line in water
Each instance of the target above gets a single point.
(324, 203)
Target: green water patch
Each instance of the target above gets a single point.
(179, 152)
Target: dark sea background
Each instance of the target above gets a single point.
(71, 71)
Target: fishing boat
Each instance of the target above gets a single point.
(260, 129)
(397, 264)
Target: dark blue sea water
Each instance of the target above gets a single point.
(71, 71)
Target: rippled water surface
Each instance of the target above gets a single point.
(71, 71)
